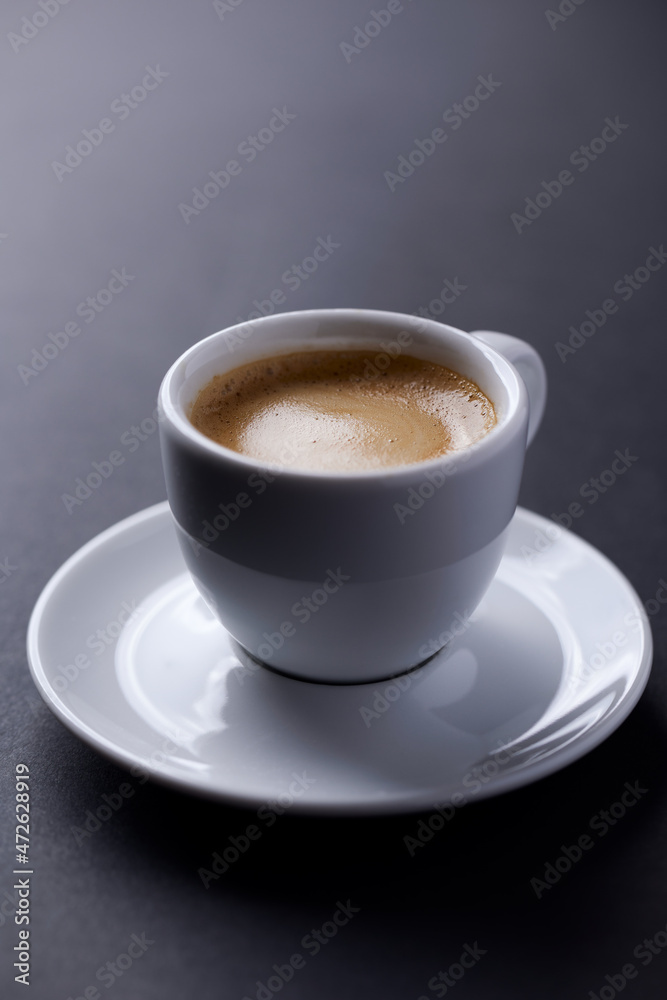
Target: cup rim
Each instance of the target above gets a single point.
(476, 453)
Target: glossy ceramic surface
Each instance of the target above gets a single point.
(125, 652)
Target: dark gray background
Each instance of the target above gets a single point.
(323, 176)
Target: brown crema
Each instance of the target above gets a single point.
(342, 410)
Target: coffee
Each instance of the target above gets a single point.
(342, 410)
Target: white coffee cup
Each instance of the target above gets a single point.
(348, 577)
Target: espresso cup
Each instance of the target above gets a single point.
(348, 577)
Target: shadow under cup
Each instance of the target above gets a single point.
(342, 577)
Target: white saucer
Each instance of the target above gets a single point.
(555, 658)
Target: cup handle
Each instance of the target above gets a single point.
(530, 367)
